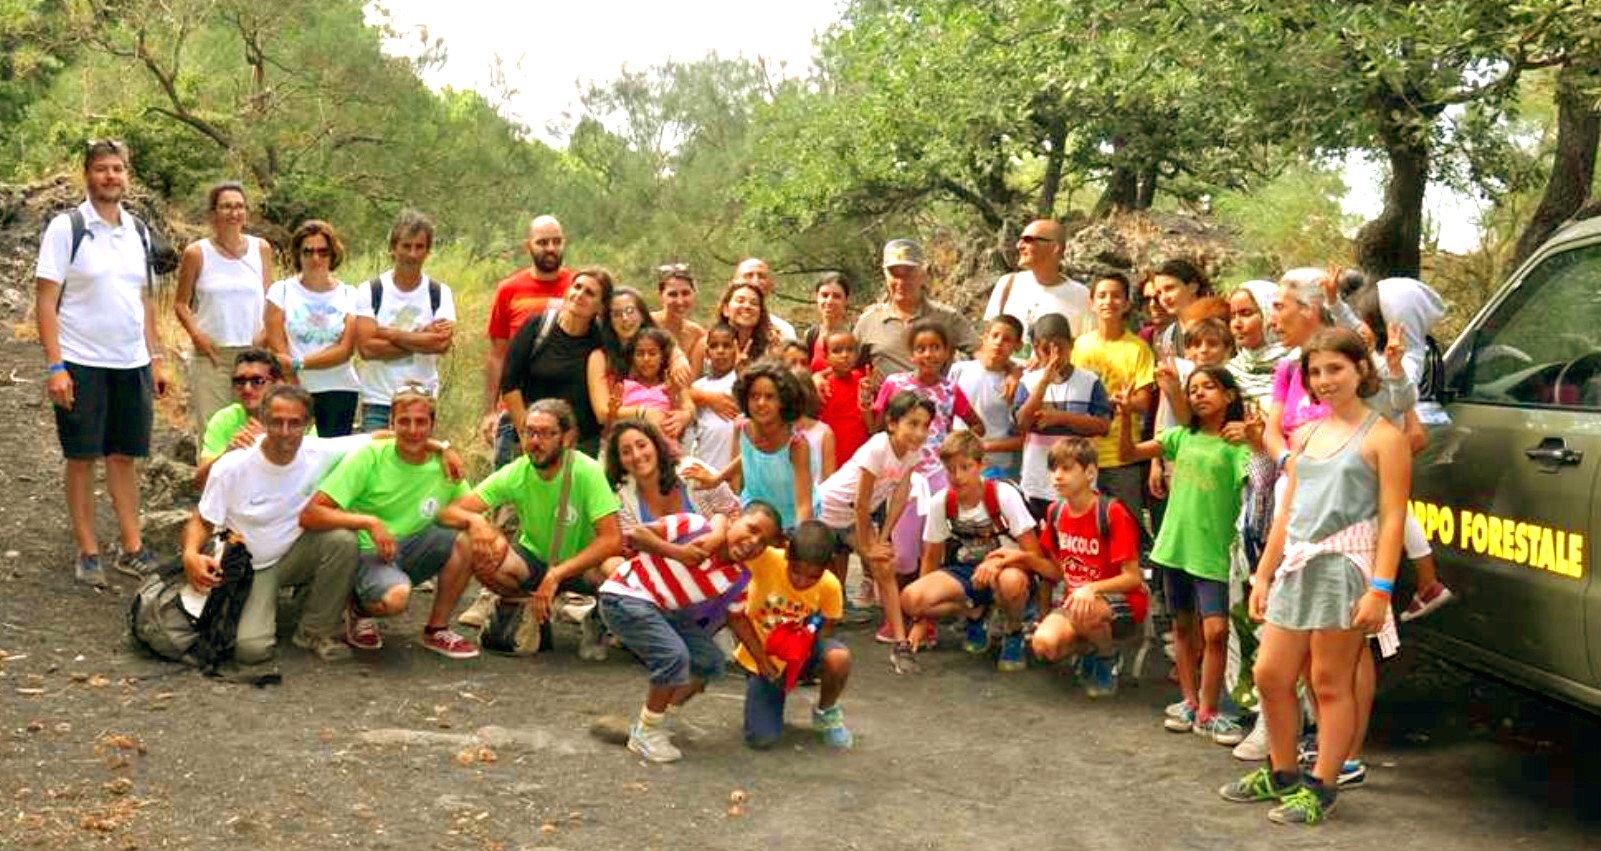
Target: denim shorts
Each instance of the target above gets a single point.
(963, 573)
(674, 652)
(418, 557)
(1185, 592)
(764, 699)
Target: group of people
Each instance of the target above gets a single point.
(1051, 481)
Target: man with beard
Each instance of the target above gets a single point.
(257, 494)
(531, 569)
(97, 325)
(518, 298)
(404, 321)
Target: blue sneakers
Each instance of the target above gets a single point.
(977, 639)
(831, 723)
(1101, 675)
(1011, 659)
(89, 572)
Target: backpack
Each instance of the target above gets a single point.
(158, 621)
(376, 286)
(1103, 516)
(160, 257)
(992, 507)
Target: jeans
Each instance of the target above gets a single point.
(674, 652)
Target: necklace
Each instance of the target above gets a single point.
(231, 252)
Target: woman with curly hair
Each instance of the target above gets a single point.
(744, 307)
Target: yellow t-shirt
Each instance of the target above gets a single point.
(772, 600)
(1123, 365)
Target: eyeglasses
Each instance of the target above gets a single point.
(308, 251)
(628, 312)
(1030, 239)
(251, 380)
(231, 208)
(543, 433)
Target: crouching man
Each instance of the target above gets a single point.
(258, 494)
(389, 493)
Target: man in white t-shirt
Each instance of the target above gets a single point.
(97, 324)
(1039, 286)
(401, 341)
(754, 270)
(257, 494)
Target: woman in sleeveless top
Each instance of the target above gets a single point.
(642, 468)
(1325, 580)
(222, 285)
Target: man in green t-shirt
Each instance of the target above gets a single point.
(389, 493)
(255, 371)
(532, 567)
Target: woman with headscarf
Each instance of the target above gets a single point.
(1257, 349)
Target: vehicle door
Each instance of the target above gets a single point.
(1505, 489)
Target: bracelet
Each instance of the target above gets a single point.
(54, 368)
(296, 364)
(1284, 456)
(1383, 586)
(158, 356)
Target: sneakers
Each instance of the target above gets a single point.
(1223, 730)
(1177, 710)
(591, 637)
(1254, 788)
(652, 743)
(449, 644)
(1183, 722)
(326, 647)
(831, 723)
(1306, 750)
(1101, 675)
(1300, 806)
(885, 634)
(478, 613)
(1011, 657)
(976, 639)
(362, 633)
(903, 660)
(930, 638)
(89, 572)
(1253, 748)
(1425, 602)
(1353, 772)
(137, 564)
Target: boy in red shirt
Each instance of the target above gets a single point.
(840, 387)
(1091, 541)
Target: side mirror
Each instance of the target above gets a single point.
(1448, 378)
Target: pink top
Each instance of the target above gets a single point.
(1290, 395)
(950, 404)
(652, 396)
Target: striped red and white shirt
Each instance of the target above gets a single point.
(672, 585)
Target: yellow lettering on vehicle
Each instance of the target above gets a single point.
(1505, 539)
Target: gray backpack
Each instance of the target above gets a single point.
(157, 619)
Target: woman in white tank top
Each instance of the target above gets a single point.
(222, 284)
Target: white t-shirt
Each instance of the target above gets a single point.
(402, 311)
(1081, 393)
(1165, 418)
(1014, 514)
(983, 391)
(1029, 301)
(314, 321)
(782, 326)
(262, 501)
(102, 310)
(714, 436)
(875, 456)
(229, 299)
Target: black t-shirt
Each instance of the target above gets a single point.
(559, 372)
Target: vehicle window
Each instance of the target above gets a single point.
(1542, 345)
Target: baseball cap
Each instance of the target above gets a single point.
(902, 252)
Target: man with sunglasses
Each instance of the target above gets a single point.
(1039, 286)
(255, 371)
(97, 325)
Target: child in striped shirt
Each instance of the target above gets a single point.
(665, 603)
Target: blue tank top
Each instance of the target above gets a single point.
(769, 477)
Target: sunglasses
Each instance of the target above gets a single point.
(250, 380)
(1030, 239)
(316, 252)
(673, 270)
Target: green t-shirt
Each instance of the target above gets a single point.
(1202, 504)
(226, 423)
(535, 500)
(375, 480)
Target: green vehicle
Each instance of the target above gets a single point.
(1507, 488)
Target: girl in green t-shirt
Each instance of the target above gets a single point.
(1210, 457)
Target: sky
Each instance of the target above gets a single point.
(550, 50)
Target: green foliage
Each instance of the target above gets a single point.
(1292, 220)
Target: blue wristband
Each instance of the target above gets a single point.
(1383, 586)
(54, 368)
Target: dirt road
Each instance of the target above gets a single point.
(100, 747)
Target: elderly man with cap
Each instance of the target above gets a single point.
(884, 325)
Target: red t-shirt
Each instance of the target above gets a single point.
(842, 412)
(1087, 555)
(521, 296)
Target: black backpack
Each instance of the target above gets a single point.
(160, 257)
(160, 624)
(376, 285)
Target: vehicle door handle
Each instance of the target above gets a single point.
(1555, 452)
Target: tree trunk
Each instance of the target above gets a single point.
(1122, 184)
(1388, 246)
(1573, 170)
(1145, 196)
(1054, 159)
